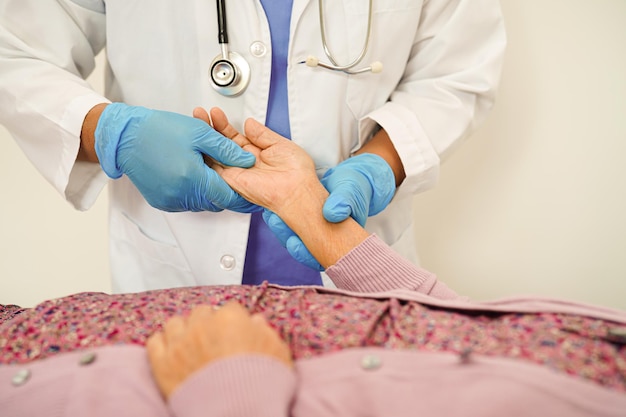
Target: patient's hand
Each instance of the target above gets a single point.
(284, 174)
(283, 180)
(187, 344)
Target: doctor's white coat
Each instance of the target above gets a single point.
(442, 61)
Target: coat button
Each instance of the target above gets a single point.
(227, 263)
(87, 359)
(370, 362)
(20, 377)
(258, 49)
(465, 356)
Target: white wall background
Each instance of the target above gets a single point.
(534, 203)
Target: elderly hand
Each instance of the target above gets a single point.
(283, 172)
(187, 344)
(162, 154)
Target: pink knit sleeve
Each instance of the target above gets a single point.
(242, 385)
(373, 267)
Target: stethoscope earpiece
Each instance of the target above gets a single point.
(312, 61)
(376, 67)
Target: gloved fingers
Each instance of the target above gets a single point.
(300, 253)
(360, 187)
(336, 208)
(217, 193)
(346, 200)
(277, 226)
(290, 240)
(241, 205)
(223, 150)
(381, 180)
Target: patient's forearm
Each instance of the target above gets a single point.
(327, 242)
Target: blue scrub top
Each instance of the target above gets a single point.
(266, 258)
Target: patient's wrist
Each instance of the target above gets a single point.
(305, 202)
(328, 242)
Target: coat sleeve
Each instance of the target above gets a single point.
(47, 49)
(448, 86)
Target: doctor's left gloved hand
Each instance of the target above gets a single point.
(359, 187)
(162, 154)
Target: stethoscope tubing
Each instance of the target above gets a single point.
(335, 65)
(230, 72)
(222, 28)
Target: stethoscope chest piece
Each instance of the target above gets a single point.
(231, 76)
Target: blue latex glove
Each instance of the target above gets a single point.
(162, 154)
(359, 187)
(290, 240)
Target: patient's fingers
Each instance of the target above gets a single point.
(201, 113)
(174, 329)
(221, 124)
(156, 345)
(200, 315)
(260, 135)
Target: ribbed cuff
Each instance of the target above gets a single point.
(243, 385)
(373, 266)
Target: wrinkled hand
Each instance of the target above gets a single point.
(359, 187)
(162, 154)
(282, 172)
(187, 344)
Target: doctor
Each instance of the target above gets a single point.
(376, 92)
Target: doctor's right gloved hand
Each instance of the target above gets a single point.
(162, 154)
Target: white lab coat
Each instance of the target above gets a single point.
(442, 61)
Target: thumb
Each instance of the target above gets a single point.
(337, 207)
(261, 136)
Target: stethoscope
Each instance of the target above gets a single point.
(230, 72)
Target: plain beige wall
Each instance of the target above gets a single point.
(533, 203)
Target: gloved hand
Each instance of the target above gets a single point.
(290, 240)
(162, 154)
(359, 187)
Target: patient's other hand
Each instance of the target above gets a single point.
(187, 344)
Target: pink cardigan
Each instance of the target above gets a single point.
(116, 380)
